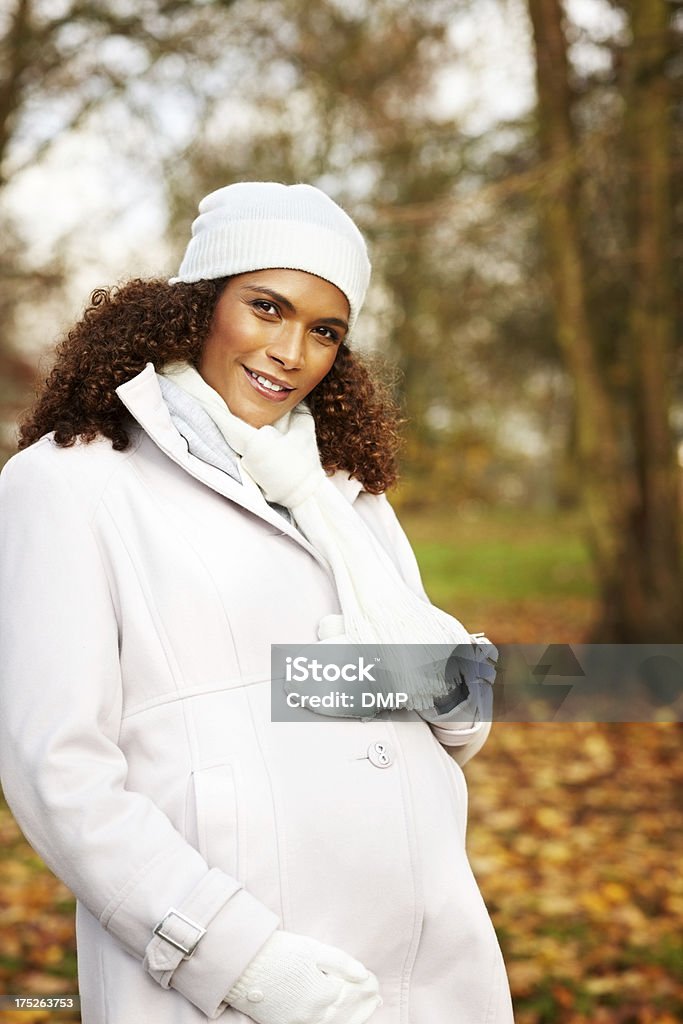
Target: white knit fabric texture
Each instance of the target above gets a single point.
(259, 225)
(297, 980)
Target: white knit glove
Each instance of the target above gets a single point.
(296, 980)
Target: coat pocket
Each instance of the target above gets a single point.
(212, 819)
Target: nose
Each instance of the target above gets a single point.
(288, 348)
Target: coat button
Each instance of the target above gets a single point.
(255, 995)
(379, 755)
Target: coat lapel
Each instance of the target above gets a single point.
(142, 397)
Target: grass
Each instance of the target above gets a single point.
(511, 555)
(527, 576)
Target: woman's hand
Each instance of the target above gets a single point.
(297, 980)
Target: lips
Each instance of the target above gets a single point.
(271, 388)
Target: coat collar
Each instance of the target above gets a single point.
(143, 398)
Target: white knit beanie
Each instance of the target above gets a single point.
(259, 225)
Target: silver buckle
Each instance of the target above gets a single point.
(187, 951)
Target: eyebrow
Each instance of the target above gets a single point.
(284, 301)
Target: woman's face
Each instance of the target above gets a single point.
(273, 337)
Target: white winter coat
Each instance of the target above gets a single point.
(140, 594)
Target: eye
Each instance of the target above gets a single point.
(327, 333)
(265, 306)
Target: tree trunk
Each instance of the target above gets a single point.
(17, 55)
(607, 489)
(652, 319)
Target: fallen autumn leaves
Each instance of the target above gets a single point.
(575, 836)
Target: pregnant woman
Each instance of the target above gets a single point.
(202, 476)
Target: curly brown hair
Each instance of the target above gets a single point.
(144, 321)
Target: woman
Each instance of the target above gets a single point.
(176, 510)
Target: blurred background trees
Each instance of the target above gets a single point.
(525, 265)
(625, 441)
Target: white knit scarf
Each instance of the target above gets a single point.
(377, 605)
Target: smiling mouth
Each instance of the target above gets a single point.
(267, 387)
